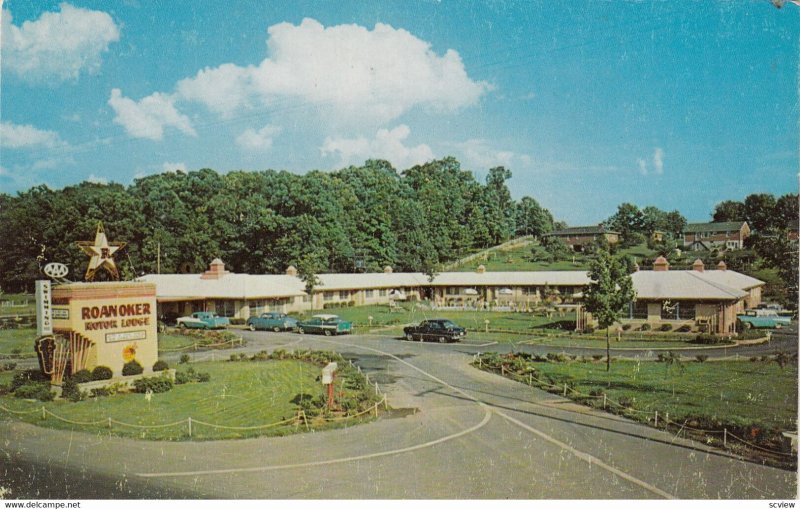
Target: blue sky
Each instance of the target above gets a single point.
(590, 104)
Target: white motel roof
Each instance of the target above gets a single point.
(677, 284)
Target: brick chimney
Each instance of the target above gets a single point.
(481, 269)
(661, 264)
(291, 270)
(722, 266)
(698, 265)
(388, 269)
(215, 271)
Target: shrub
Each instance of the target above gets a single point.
(702, 358)
(556, 357)
(645, 327)
(588, 330)
(160, 365)
(753, 359)
(665, 327)
(102, 373)
(626, 326)
(132, 368)
(684, 328)
(711, 339)
(203, 377)
(182, 378)
(70, 391)
(82, 376)
(185, 358)
(35, 390)
(26, 377)
(154, 384)
(9, 366)
(597, 357)
(16, 351)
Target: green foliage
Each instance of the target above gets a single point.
(712, 339)
(181, 377)
(155, 384)
(610, 290)
(185, 358)
(160, 365)
(70, 390)
(132, 368)
(645, 327)
(102, 373)
(35, 390)
(82, 376)
(665, 327)
(26, 377)
(701, 358)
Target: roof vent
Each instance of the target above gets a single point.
(722, 266)
(481, 269)
(291, 270)
(388, 269)
(698, 265)
(215, 271)
(661, 264)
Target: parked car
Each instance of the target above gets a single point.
(762, 319)
(330, 325)
(443, 331)
(203, 320)
(271, 321)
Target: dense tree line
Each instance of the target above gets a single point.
(635, 225)
(357, 218)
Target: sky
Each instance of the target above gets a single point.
(590, 104)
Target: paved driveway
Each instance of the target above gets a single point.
(464, 434)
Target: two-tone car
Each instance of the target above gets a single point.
(437, 329)
(330, 325)
(762, 319)
(276, 322)
(202, 320)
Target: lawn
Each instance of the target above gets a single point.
(240, 394)
(732, 394)
(17, 341)
(13, 304)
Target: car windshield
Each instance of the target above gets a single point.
(447, 324)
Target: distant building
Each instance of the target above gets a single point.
(707, 236)
(577, 237)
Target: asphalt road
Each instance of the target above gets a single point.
(463, 433)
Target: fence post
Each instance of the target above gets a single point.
(604, 401)
(656, 418)
(385, 403)
(376, 389)
(44, 413)
(190, 426)
(666, 419)
(725, 437)
(376, 410)
(530, 379)
(565, 389)
(480, 361)
(109, 423)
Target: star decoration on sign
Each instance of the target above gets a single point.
(101, 252)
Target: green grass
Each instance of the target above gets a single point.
(173, 342)
(12, 304)
(728, 393)
(17, 341)
(246, 393)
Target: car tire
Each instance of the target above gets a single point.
(300, 330)
(182, 325)
(328, 332)
(748, 325)
(442, 339)
(252, 327)
(276, 329)
(409, 337)
(778, 325)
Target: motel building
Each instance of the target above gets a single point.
(704, 299)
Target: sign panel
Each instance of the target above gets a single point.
(44, 311)
(126, 336)
(60, 314)
(327, 373)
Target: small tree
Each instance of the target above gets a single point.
(608, 294)
(307, 269)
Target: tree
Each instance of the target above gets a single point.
(608, 294)
(760, 210)
(307, 268)
(786, 211)
(628, 221)
(729, 210)
(531, 218)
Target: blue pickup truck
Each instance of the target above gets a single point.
(203, 320)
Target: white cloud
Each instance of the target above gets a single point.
(94, 179)
(27, 136)
(174, 167)
(478, 153)
(258, 140)
(387, 144)
(658, 162)
(377, 74)
(148, 117)
(57, 45)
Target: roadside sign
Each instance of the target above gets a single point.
(327, 373)
(44, 311)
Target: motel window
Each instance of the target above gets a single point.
(256, 307)
(344, 294)
(382, 292)
(226, 308)
(529, 290)
(327, 296)
(368, 293)
(638, 310)
(453, 290)
(686, 311)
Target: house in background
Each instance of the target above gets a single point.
(708, 236)
(577, 237)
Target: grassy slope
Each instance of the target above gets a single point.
(737, 393)
(239, 394)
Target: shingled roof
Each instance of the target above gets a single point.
(730, 226)
(583, 230)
